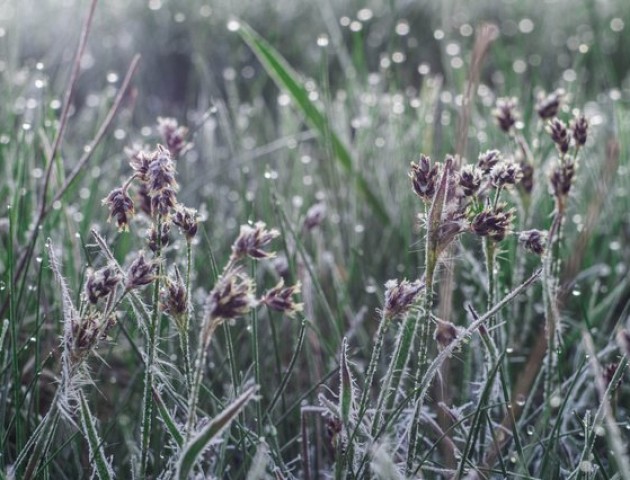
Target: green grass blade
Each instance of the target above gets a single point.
(168, 420)
(97, 454)
(202, 440)
(286, 78)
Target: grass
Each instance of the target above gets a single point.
(259, 333)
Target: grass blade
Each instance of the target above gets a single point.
(97, 454)
(286, 78)
(202, 440)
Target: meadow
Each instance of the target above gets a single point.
(303, 240)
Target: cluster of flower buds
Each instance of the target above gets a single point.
(174, 298)
(280, 298)
(88, 330)
(400, 297)
(506, 113)
(101, 283)
(154, 173)
(423, 177)
(251, 242)
(548, 105)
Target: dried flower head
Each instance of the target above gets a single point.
(144, 199)
(579, 127)
(488, 159)
(101, 283)
(548, 106)
(120, 207)
(445, 333)
(186, 219)
(557, 129)
(562, 178)
(494, 223)
(141, 272)
(232, 296)
(400, 297)
(470, 178)
(527, 179)
(159, 240)
(280, 298)
(175, 297)
(534, 241)
(505, 113)
(173, 136)
(139, 160)
(88, 330)
(163, 201)
(314, 216)
(506, 173)
(252, 240)
(423, 178)
(161, 171)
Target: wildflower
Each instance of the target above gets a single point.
(280, 298)
(488, 159)
(562, 177)
(579, 127)
(88, 330)
(161, 171)
(445, 333)
(101, 283)
(175, 297)
(423, 178)
(163, 202)
(144, 200)
(494, 223)
(186, 220)
(470, 178)
(139, 161)
(506, 173)
(231, 297)
(314, 216)
(505, 113)
(548, 105)
(534, 241)
(140, 272)
(174, 136)
(557, 129)
(400, 297)
(120, 207)
(161, 240)
(251, 241)
(527, 179)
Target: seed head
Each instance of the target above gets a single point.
(120, 207)
(88, 330)
(173, 136)
(534, 241)
(488, 159)
(445, 333)
(505, 113)
(548, 105)
(139, 160)
(400, 297)
(559, 134)
(470, 178)
(101, 283)
(494, 223)
(161, 171)
(175, 297)
(280, 298)
(424, 177)
(163, 201)
(231, 297)
(527, 180)
(315, 216)
(159, 240)
(141, 272)
(144, 200)
(506, 173)
(252, 240)
(579, 127)
(186, 220)
(562, 177)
